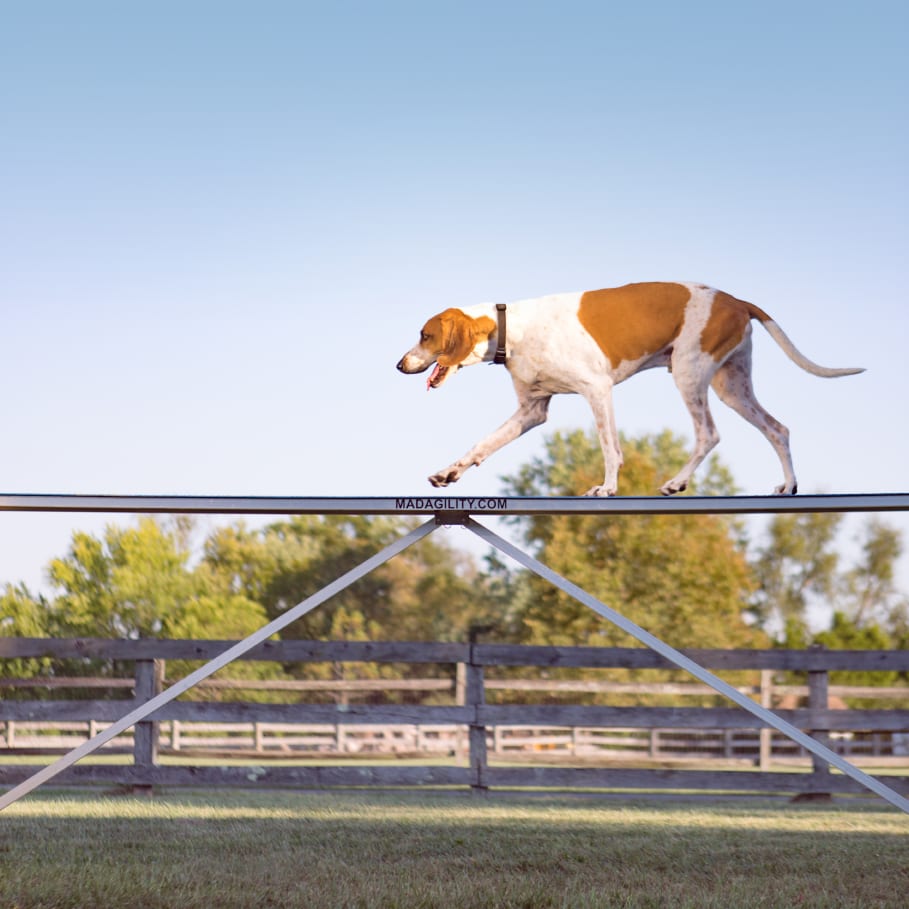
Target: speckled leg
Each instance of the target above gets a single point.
(732, 383)
(694, 389)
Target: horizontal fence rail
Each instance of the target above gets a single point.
(471, 732)
(443, 652)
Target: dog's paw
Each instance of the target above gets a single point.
(601, 491)
(672, 487)
(786, 490)
(446, 477)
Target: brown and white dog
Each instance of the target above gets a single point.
(585, 343)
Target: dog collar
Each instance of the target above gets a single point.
(500, 345)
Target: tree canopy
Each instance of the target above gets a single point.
(683, 578)
(137, 582)
(429, 592)
(799, 570)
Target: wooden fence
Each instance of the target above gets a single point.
(495, 731)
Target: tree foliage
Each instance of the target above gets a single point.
(869, 593)
(137, 582)
(22, 615)
(846, 634)
(796, 566)
(683, 578)
(799, 570)
(429, 592)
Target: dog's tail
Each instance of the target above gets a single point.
(793, 352)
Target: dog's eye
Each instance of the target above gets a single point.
(424, 336)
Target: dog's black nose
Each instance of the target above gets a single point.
(400, 366)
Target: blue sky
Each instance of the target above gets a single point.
(223, 223)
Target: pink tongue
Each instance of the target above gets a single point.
(435, 372)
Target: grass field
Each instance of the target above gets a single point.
(356, 849)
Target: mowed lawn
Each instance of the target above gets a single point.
(355, 849)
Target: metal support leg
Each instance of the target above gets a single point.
(219, 662)
(680, 660)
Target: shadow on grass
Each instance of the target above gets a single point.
(353, 850)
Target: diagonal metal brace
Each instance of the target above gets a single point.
(684, 662)
(219, 662)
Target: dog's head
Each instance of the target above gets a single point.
(451, 339)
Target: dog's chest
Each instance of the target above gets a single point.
(551, 351)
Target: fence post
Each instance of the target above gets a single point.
(765, 742)
(149, 682)
(475, 695)
(460, 694)
(818, 689)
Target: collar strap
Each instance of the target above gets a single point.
(500, 345)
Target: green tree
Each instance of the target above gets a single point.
(133, 582)
(796, 566)
(799, 571)
(870, 593)
(845, 634)
(870, 612)
(429, 592)
(22, 615)
(137, 582)
(683, 578)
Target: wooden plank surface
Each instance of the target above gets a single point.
(324, 776)
(710, 780)
(483, 715)
(251, 776)
(198, 650)
(642, 658)
(436, 652)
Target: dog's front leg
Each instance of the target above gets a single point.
(600, 400)
(531, 412)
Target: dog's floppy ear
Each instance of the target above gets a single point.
(460, 334)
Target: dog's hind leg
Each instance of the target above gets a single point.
(733, 385)
(694, 387)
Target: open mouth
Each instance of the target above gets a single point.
(437, 376)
